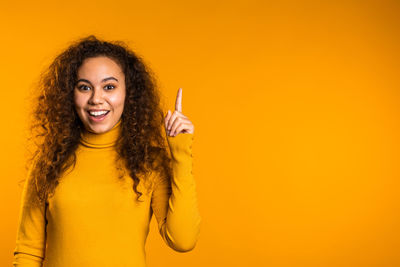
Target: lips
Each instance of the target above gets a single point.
(97, 113)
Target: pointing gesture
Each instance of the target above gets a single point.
(178, 101)
(176, 122)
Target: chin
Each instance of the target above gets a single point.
(98, 129)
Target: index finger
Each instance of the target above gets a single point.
(178, 102)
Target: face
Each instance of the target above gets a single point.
(99, 93)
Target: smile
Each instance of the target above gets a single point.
(98, 113)
(98, 116)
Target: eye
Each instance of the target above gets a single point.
(109, 87)
(82, 87)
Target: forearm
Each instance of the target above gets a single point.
(182, 226)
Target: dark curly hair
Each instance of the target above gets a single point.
(56, 127)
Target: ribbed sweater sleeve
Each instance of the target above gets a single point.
(175, 202)
(31, 232)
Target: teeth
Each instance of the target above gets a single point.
(97, 113)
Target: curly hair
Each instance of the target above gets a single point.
(56, 127)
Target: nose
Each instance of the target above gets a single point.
(96, 97)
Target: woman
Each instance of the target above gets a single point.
(102, 166)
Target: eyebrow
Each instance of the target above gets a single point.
(104, 80)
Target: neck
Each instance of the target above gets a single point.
(101, 140)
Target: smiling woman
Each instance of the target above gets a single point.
(106, 160)
(99, 95)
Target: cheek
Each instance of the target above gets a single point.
(78, 102)
(118, 101)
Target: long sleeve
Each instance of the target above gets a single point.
(31, 238)
(175, 202)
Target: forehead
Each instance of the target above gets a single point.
(96, 68)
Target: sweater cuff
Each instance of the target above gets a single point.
(180, 145)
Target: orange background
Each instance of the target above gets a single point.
(296, 113)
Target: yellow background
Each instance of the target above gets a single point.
(296, 113)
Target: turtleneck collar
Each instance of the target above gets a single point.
(102, 140)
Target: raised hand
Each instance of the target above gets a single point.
(176, 122)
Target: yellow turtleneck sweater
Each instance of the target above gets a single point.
(93, 220)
